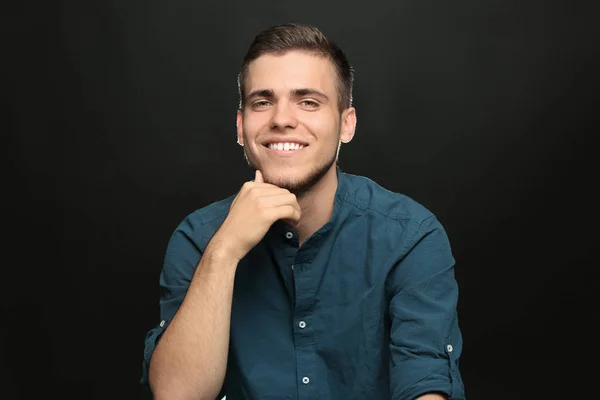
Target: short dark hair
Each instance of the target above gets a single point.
(279, 39)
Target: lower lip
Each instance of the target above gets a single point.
(285, 153)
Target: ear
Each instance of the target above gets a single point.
(348, 128)
(240, 129)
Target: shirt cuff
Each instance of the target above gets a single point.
(152, 338)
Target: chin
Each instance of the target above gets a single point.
(297, 182)
(286, 180)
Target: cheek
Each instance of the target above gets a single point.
(325, 129)
(252, 127)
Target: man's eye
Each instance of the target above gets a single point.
(309, 103)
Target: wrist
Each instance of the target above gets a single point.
(221, 252)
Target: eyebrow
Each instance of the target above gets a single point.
(269, 94)
(309, 92)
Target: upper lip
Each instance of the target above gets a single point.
(285, 140)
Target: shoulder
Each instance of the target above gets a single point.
(396, 220)
(368, 196)
(200, 225)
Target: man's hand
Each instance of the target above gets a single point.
(431, 397)
(255, 208)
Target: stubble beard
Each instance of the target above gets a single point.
(305, 184)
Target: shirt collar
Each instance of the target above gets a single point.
(280, 228)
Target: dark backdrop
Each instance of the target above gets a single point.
(120, 120)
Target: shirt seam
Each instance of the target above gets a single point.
(363, 206)
(214, 218)
(408, 244)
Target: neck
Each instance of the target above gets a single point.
(317, 204)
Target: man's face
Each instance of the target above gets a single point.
(290, 125)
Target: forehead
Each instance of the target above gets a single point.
(292, 70)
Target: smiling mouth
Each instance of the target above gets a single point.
(285, 146)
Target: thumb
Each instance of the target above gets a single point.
(258, 177)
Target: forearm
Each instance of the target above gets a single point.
(190, 359)
(431, 397)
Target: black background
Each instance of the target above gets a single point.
(120, 120)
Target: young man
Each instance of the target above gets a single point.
(309, 283)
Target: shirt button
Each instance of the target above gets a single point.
(162, 323)
(302, 324)
(449, 348)
(289, 235)
(292, 267)
(305, 380)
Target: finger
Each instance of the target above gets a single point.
(258, 177)
(263, 190)
(285, 212)
(277, 197)
(294, 223)
(258, 190)
(257, 186)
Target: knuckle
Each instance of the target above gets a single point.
(263, 213)
(260, 202)
(253, 191)
(247, 185)
(245, 190)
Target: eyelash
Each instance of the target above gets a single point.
(310, 103)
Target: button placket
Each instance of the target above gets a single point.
(303, 334)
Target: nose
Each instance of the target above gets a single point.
(283, 117)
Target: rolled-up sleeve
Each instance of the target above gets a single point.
(181, 259)
(425, 339)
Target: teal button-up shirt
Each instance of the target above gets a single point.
(366, 308)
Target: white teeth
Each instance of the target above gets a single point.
(285, 146)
